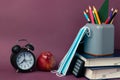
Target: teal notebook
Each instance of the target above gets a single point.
(66, 61)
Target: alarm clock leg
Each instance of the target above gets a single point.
(17, 70)
(30, 70)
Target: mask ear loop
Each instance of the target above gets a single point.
(55, 71)
(57, 74)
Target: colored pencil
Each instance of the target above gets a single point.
(86, 11)
(111, 12)
(107, 20)
(97, 16)
(112, 21)
(114, 14)
(86, 16)
(91, 15)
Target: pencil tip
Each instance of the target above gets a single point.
(84, 12)
(94, 7)
(87, 10)
(89, 7)
(111, 9)
(116, 10)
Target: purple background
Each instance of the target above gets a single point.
(51, 25)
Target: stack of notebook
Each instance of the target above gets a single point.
(106, 67)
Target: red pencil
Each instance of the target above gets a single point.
(107, 20)
(91, 15)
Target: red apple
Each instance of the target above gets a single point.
(46, 61)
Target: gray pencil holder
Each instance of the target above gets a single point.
(101, 41)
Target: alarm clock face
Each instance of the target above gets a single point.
(25, 60)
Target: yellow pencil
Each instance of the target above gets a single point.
(97, 16)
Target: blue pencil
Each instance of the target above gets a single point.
(86, 16)
(111, 12)
(112, 17)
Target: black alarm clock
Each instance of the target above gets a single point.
(22, 57)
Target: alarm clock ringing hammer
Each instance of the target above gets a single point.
(22, 57)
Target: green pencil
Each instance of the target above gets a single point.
(95, 18)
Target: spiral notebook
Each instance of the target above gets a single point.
(66, 61)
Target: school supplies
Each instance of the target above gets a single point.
(86, 16)
(111, 12)
(91, 15)
(97, 37)
(101, 42)
(66, 61)
(112, 17)
(96, 21)
(107, 20)
(97, 18)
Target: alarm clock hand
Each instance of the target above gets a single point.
(24, 55)
(22, 61)
(27, 58)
